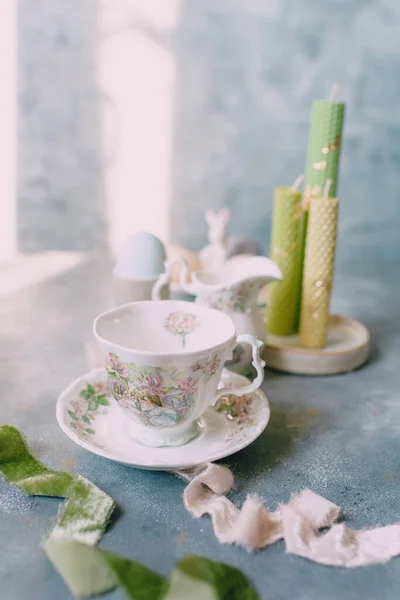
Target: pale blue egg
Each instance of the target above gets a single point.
(141, 255)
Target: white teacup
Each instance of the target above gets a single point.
(164, 361)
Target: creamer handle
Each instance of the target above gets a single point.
(165, 278)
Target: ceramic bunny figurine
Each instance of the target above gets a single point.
(213, 256)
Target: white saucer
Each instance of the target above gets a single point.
(92, 419)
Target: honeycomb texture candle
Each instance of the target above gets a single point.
(322, 162)
(323, 148)
(283, 298)
(319, 262)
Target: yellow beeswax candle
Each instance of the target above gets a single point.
(319, 260)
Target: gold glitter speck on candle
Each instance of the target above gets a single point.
(332, 147)
(321, 165)
(321, 285)
(277, 251)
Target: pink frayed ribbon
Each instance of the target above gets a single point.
(297, 523)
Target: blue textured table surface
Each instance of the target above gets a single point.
(339, 436)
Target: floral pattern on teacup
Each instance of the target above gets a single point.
(115, 366)
(156, 396)
(235, 298)
(207, 368)
(83, 410)
(180, 323)
(235, 437)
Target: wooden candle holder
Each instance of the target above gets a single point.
(347, 348)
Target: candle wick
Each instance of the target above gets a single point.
(327, 188)
(333, 93)
(297, 183)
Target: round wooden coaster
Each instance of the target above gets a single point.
(347, 348)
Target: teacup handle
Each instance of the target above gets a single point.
(258, 364)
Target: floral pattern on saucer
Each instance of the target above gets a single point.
(156, 396)
(86, 406)
(238, 408)
(180, 323)
(240, 412)
(222, 433)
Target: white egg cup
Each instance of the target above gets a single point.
(140, 261)
(164, 362)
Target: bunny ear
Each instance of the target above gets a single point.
(225, 215)
(209, 216)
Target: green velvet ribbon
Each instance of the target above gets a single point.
(89, 570)
(20, 468)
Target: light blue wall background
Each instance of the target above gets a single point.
(247, 72)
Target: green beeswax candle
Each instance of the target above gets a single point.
(283, 299)
(323, 148)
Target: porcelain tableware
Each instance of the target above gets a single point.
(139, 262)
(164, 361)
(89, 415)
(233, 290)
